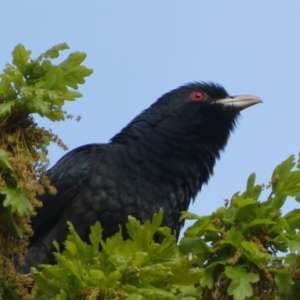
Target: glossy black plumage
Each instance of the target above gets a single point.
(160, 159)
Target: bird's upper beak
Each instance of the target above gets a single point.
(240, 102)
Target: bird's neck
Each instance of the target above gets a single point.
(182, 156)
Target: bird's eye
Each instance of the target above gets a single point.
(197, 96)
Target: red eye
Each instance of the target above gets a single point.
(197, 96)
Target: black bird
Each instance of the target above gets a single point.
(160, 159)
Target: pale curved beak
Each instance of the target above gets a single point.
(240, 102)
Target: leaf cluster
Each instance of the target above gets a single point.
(38, 86)
(239, 245)
(29, 86)
(136, 268)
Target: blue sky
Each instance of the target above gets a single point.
(142, 49)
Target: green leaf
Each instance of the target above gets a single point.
(16, 199)
(5, 108)
(252, 191)
(294, 244)
(75, 76)
(195, 246)
(245, 202)
(241, 208)
(234, 238)
(292, 184)
(20, 57)
(156, 221)
(71, 95)
(62, 295)
(53, 52)
(207, 279)
(55, 116)
(54, 79)
(188, 216)
(184, 274)
(282, 177)
(39, 106)
(10, 218)
(74, 73)
(97, 275)
(67, 264)
(281, 242)
(139, 259)
(156, 294)
(133, 226)
(250, 184)
(200, 227)
(290, 259)
(7, 93)
(283, 279)
(240, 287)
(12, 74)
(293, 219)
(220, 213)
(56, 246)
(254, 254)
(73, 60)
(96, 235)
(74, 244)
(112, 280)
(280, 225)
(6, 167)
(261, 222)
(49, 287)
(113, 244)
(284, 168)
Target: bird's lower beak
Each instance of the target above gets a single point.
(240, 102)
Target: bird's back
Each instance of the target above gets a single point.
(106, 183)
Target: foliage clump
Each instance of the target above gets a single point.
(240, 246)
(29, 86)
(136, 268)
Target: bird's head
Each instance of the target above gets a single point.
(199, 96)
(197, 110)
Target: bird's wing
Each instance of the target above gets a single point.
(66, 176)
